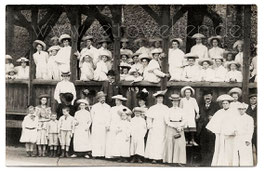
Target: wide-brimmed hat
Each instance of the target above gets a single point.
(191, 56)
(152, 40)
(127, 53)
(198, 35)
(140, 40)
(124, 40)
(82, 101)
(206, 92)
(233, 62)
(119, 97)
(136, 54)
(252, 95)
(242, 106)
(8, 57)
(175, 97)
(179, 40)
(54, 38)
(143, 94)
(226, 52)
(138, 109)
(100, 94)
(104, 39)
(124, 110)
(55, 47)
(88, 37)
(12, 70)
(238, 42)
(104, 53)
(235, 90)
(65, 73)
(185, 88)
(44, 96)
(159, 93)
(87, 53)
(218, 38)
(144, 56)
(23, 59)
(156, 51)
(125, 65)
(224, 97)
(39, 42)
(218, 58)
(210, 62)
(63, 37)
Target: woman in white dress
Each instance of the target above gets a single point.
(86, 66)
(233, 75)
(53, 69)
(176, 60)
(175, 143)
(199, 49)
(215, 51)
(100, 73)
(89, 48)
(223, 124)
(156, 124)
(9, 65)
(191, 71)
(142, 45)
(206, 74)
(82, 135)
(23, 71)
(219, 70)
(238, 45)
(40, 58)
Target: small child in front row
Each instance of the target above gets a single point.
(29, 131)
(42, 140)
(52, 133)
(122, 141)
(138, 132)
(66, 130)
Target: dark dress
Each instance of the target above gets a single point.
(206, 138)
(253, 114)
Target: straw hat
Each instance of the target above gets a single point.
(144, 56)
(124, 40)
(224, 97)
(159, 93)
(125, 65)
(65, 73)
(136, 54)
(8, 57)
(124, 110)
(138, 109)
(39, 42)
(175, 97)
(179, 40)
(104, 53)
(210, 62)
(89, 37)
(23, 59)
(191, 56)
(229, 52)
(100, 94)
(54, 38)
(156, 51)
(82, 101)
(218, 58)
(140, 40)
(239, 42)
(12, 70)
(218, 38)
(125, 53)
(233, 62)
(185, 88)
(119, 97)
(55, 47)
(198, 35)
(63, 37)
(242, 106)
(44, 96)
(87, 53)
(235, 90)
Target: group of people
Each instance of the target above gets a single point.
(158, 133)
(200, 64)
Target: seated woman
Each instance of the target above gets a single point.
(40, 58)
(124, 60)
(53, 69)
(134, 75)
(23, 70)
(86, 66)
(219, 70)
(199, 49)
(142, 45)
(124, 68)
(206, 73)
(100, 73)
(9, 64)
(191, 72)
(152, 72)
(233, 75)
(136, 63)
(215, 51)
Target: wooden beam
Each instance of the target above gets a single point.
(180, 13)
(216, 19)
(9, 30)
(246, 52)
(152, 13)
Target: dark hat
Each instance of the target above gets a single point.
(44, 96)
(68, 97)
(143, 94)
(88, 92)
(206, 92)
(252, 95)
(111, 73)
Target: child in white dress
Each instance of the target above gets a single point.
(86, 67)
(191, 72)
(52, 133)
(233, 75)
(29, 130)
(124, 71)
(134, 76)
(53, 69)
(100, 73)
(138, 132)
(219, 70)
(199, 49)
(191, 111)
(23, 71)
(206, 73)
(40, 58)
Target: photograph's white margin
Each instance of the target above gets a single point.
(150, 170)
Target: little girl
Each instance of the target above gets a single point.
(122, 138)
(233, 75)
(100, 73)
(53, 69)
(124, 71)
(40, 59)
(190, 107)
(82, 135)
(52, 133)
(138, 131)
(29, 131)
(86, 67)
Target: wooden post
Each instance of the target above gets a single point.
(9, 29)
(164, 32)
(246, 52)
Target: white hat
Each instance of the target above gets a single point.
(239, 42)
(185, 88)
(83, 101)
(144, 56)
(120, 97)
(64, 36)
(156, 51)
(139, 40)
(235, 90)
(210, 62)
(136, 54)
(127, 53)
(124, 40)
(138, 109)
(175, 97)
(219, 38)
(218, 58)
(9, 57)
(179, 40)
(89, 37)
(87, 53)
(55, 47)
(124, 110)
(39, 42)
(233, 62)
(100, 94)
(225, 97)
(104, 53)
(23, 59)
(191, 55)
(198, 35)
(242, 106)
(159, 93)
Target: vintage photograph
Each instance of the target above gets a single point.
(131, 85)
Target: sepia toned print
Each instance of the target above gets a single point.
(131, 85)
